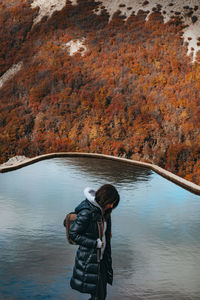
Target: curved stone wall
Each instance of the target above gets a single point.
(194, 188)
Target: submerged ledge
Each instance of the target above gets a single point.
(192, 187)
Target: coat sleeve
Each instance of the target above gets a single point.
(78, 229)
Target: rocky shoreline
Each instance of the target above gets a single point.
(15, 160)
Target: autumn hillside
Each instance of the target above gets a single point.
(130, 90)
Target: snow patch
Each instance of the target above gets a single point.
(10, 73)
(189, 10)
(47, 7)
(76, 45)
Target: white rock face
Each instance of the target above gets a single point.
(191, 34)
(168, 9)
(10, 73)
(74, 46)
(47, 7)
(15, 160)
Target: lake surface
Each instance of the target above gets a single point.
(156, 231)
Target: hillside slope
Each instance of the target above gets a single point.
(95, 80)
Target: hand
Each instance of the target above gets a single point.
(100, 243)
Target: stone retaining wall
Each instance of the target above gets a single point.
(194, 188)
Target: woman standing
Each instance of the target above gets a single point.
(93, 263)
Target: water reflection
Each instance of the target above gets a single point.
(111, 170)
(155, 244)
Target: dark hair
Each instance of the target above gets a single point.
(106, 194)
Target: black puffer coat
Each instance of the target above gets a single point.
(84, 231)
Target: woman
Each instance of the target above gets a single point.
(93, 262)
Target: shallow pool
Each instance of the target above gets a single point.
(155, 244)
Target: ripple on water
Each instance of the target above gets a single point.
(155, 244)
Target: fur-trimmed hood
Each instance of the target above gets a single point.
(89, 202)
(90, 195)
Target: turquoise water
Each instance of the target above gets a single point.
(155, 244)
